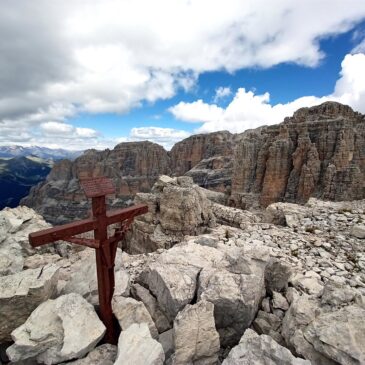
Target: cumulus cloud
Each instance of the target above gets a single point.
(221, 93)
(65, 130)
(248, 110)
(96, 56)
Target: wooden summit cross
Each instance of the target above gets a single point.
(105, 248)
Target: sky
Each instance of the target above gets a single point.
(93, 73)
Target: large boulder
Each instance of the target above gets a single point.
(236, 287)
(196, 339)
(177, 207)
(82, 277)
(144, 295)
(58, 330)
(339, 335)
(327, 329)
(257, 350)
(129, 311)
(15, 226)
(358, 231)
(231, 278)
(21, 293)
(172, 278)
(137, 347)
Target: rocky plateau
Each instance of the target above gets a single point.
(197, 283)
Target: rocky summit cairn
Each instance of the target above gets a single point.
(199, 283)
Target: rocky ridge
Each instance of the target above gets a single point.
(284, 287)
(319, 152)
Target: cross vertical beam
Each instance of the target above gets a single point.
(105, 255)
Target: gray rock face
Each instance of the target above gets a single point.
(317, 152)
(173, 286)
(58, 330)
(196, 339)
(166, 339)
(177, 207)
(101, 355)
(135, 346)
(142, 294)
(230, 278)
(277, 275)
(82, 277)
(328, 329)
(257, 350)
(339, 335)
(21, 293)
(129, 311)
(15, 226)
(133, 166)
(358, 231)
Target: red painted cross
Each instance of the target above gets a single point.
(105, 248)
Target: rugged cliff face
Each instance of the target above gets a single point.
(319, 152)
(207, 158)
(133, 166)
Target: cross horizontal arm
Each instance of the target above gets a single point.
(58, 233)
(119, 215)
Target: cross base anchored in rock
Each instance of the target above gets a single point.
(105, 248)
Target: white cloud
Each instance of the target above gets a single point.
(197, 111)
(166, 137)
(109, 55)
(59, 58)
(248, 110)
(68, 131)
(221, 93)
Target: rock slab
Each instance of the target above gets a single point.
(58, 330)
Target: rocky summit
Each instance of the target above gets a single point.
(318, 152)
(197, 283)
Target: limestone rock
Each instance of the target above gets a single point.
(277, 275)
(256, 350)
(327, 328)
(101, 355)
(15, 226)
(135, 346)
(300, 314)
(142, 294)
(58, 330)
(174, 286)
(230, 278)
(317, 152)
(177, 207)
(196, 339)
(133, 166)
(310, 282)
(339, 335)
(279, 301)
(82, 277)
(21, 293)
(129, 311)
(188, 153)
(236, 289)
(358, 231)
(166, 339)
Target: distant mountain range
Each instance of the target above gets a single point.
(42, 152)
(18, 175)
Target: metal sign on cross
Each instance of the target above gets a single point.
(105, 248)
